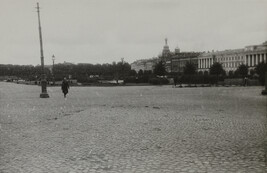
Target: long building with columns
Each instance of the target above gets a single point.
(231, 59)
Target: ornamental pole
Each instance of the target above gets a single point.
(44, 93)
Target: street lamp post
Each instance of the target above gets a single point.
(53, 72)
(122, 63)
(44, 93)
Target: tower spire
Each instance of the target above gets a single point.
(166, 41)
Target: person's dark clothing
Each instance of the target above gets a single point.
(245, 81)
(65, 87)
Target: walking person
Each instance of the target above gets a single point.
(246, 81)
(175, 79)
(65, 87)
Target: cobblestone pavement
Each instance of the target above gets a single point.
(133, 129)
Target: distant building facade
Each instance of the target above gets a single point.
(144, 64)
(179, 60)
(176, 61)
(232, 59)
(255, 54)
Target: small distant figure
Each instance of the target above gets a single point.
(175, 80)
(65, 87)
(246, 81)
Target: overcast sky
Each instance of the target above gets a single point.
(103, 31)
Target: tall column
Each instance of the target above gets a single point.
(210, 62)
(44, 93)
(256, 59)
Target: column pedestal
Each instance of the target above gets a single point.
(44, 93)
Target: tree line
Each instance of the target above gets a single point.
(82, 72)
(88, 73)
(212, 76)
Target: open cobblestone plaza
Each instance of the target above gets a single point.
(133, 129)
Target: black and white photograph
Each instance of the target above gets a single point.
(133, 86)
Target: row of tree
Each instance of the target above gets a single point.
(217, 70)
(82, 72)
(120, 70)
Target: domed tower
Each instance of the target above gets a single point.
(177, 50)
(166, 51)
